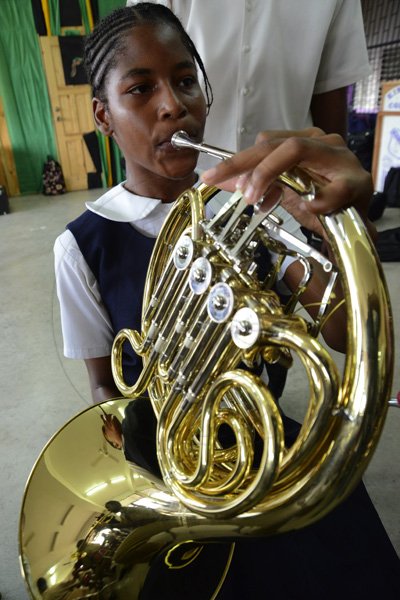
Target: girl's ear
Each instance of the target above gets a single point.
(101, 117)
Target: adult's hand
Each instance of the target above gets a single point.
(256, 169)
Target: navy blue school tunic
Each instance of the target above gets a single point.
(118, 257)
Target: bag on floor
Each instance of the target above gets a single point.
(388, 245)
(392, 187)
(4, 204)
(53, 178)
(376, 206)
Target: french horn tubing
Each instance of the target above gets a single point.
(112, 526)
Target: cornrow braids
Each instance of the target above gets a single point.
(107, 40)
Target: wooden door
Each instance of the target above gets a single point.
(72, 114)
(8, 172)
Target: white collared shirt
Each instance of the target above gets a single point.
(145, 214)
(86, 326)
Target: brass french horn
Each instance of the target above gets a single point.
(207, 320)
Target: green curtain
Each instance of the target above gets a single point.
(85, 16)
(24, 92)
(107, 6)
(55, 17)
(54, 10)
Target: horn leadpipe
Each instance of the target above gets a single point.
(301, 181)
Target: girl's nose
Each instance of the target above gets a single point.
(171, 105)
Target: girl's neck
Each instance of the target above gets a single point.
(166, 190)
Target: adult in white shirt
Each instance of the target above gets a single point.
(275, 64)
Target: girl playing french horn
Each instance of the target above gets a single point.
(143, 69)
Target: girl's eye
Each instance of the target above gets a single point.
(143, 88)
(188, 82)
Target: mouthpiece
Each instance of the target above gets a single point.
(181, 139)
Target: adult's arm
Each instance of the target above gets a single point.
(329, 111)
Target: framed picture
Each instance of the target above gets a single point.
(390, 96)
(386, 147)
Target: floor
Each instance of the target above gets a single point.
(41, 390)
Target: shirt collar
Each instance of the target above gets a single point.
(117, 204)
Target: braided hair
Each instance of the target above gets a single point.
(107, 41)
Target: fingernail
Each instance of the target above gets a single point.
(241, 182)
(249, 194)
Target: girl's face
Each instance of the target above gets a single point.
(152, 92)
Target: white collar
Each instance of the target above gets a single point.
(118, 204)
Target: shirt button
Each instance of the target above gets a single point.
(243, 129)
(245, 91)
(246, 49)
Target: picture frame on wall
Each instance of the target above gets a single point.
(386, 147)
(390, 99)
